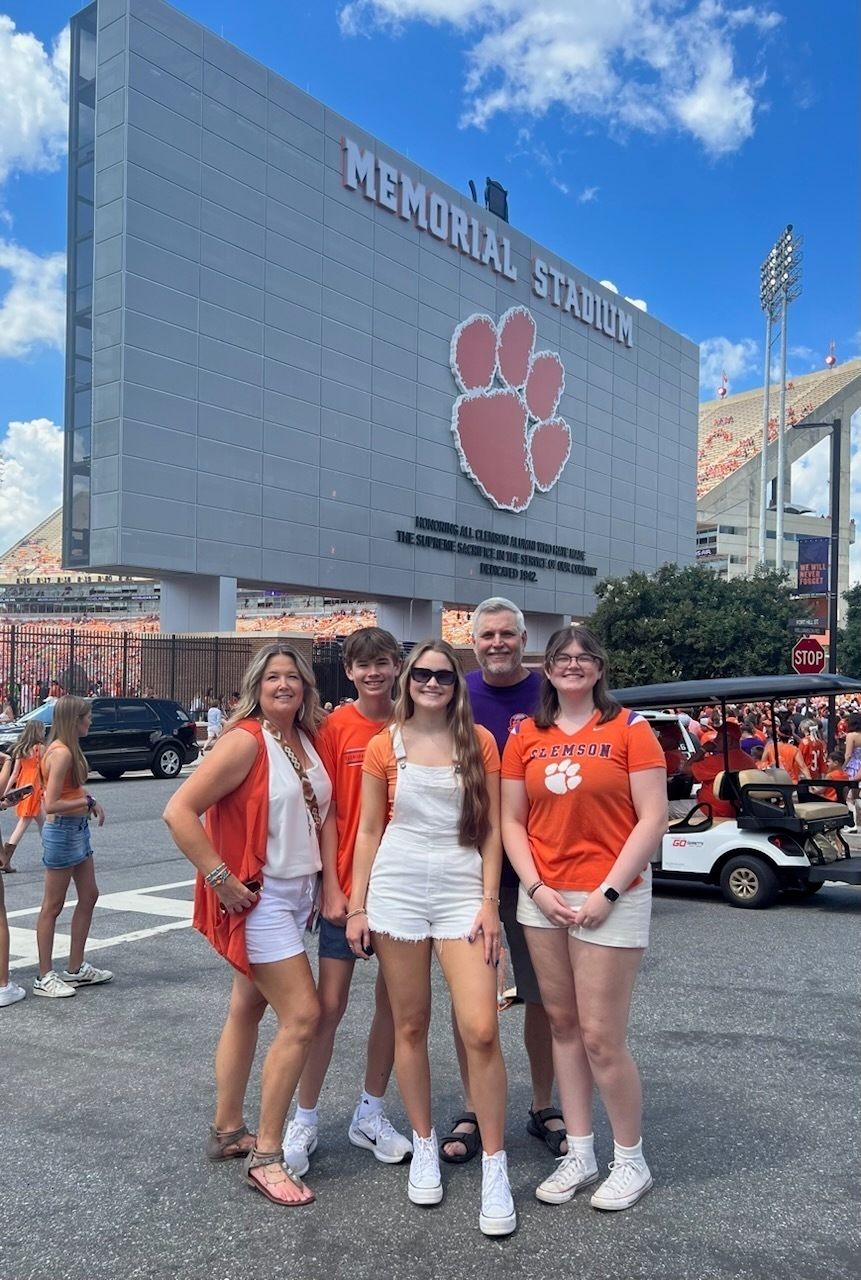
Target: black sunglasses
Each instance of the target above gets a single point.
(422, 675)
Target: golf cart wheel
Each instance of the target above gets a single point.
(168, 762)
(812, 886)
(748, 881)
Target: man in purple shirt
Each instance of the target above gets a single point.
(503, 691)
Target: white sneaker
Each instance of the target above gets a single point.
(300, 1142)
(425, 1182)
(53, 986)
(571, 1173)
(376, 1133)
(498, 1216)
(629, 1180)
(11, 994)
(87, 976)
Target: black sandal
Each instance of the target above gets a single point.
(470, 1141)
(537, 1126)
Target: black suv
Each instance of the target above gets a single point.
(127, 733)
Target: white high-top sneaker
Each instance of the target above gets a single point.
(498, 1216)
(425, 1183)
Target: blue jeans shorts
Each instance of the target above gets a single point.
(66, 842)
(333, 941)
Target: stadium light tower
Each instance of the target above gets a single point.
(780, 284)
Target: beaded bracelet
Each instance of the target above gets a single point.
(488, 897)
(539, 884)
(360, 911)
(217, 875)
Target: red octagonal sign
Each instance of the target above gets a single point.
(808, 656)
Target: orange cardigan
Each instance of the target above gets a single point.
(238, 826)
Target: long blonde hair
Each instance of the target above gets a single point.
(68, 713)
(475, 808)
(311, 715)
(33, 736)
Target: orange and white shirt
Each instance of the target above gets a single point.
(579, 793)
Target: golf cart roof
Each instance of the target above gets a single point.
(702, 693)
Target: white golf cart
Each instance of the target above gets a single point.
(783, 836)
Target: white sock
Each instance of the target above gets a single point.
(306, 1115)
(582, 1147)
(632, 1155)
(369, 1105)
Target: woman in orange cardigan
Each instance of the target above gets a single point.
(265, 794)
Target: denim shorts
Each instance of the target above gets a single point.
(66, 842)
(333, 941)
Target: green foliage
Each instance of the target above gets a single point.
(689, 624)
(849, 639)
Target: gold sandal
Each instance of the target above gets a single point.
(261, 1160)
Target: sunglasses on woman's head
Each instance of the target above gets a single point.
(422, 675)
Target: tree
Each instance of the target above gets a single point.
(689, 624)
(849, 639)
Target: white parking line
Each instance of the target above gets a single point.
(176, 913)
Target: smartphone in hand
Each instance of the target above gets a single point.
(18, 794)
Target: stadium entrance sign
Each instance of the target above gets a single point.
(392, 189)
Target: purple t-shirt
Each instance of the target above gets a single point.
(497, 707)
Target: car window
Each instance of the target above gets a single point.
(104, 717)
(136, 713)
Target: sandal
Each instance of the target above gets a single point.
(221, 1140)
(262, 1160)
(537, 1126)
(470, 1141)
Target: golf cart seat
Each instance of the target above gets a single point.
(769, 797)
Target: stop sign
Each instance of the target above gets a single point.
(808, 656)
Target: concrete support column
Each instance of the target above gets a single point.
(411, 620)
(540, 627)
(198, 603)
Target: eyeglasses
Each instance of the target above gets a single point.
(562, 661)
(423, 675)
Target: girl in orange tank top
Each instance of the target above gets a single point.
(27, 755)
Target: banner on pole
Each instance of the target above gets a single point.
(812, 566)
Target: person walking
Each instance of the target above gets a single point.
(584, 809)
(429, 881)
(67, 852)
(265, 794)
(813, 749)
(26, 772)
(502, 691)
(372, 659)
(852, 766)
(787, 757)
(214, 725)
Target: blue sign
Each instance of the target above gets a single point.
(812, 566)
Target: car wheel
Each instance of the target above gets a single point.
(168, 762)
(110, 775)
(811, 887)
(749, 881)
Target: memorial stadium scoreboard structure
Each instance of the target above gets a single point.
(296, 358)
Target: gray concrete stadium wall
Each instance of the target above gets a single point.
(271, 384)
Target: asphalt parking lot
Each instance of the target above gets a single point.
(745, 1025)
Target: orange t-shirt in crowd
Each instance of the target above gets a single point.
(380, 759)
(341, 745)
(706, 770)
(787, 758)
(840, 775)
(814, 755)
(578, 789)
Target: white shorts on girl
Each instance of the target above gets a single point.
(627, 925)
(424, 884)
(275, 927)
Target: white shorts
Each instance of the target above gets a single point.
(275, 927)
(627, 925)
(424, 893)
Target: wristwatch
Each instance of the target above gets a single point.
(611, 894)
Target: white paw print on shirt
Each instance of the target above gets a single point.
(562, 777)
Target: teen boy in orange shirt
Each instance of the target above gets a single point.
(372, 659)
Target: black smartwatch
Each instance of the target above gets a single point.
(611, 894)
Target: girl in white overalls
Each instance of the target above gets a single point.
(431, 880)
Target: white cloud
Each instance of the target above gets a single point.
(722, 355)
(645, 65)
(33, 309)
(34, 118)
(32, 477)
(635, 302)
(588, 194)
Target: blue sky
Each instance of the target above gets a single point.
(661, 144)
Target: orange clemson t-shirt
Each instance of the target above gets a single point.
(341, 745)
(577, 785)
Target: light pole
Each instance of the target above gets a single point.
(835, 427)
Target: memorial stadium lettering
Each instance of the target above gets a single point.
(386, 185)
(502, 555)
